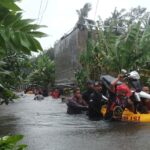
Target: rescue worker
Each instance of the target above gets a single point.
(123, 94)
(76, 105)
(95, 102)
(146, 102)
(90, 89)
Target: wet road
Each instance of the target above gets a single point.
(46, 126)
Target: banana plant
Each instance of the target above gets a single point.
(122, 42)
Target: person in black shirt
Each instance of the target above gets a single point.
(95, 102)
(90, 89)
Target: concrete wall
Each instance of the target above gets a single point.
(67, 52)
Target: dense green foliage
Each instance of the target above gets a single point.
(43, 73)
(122, 42)
(18, 38)
(11, 143)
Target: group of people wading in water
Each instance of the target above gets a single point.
(92, 100)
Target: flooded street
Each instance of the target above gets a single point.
(46, 126)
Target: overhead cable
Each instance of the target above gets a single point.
(97, 3)
(39, 11)
(44, 10)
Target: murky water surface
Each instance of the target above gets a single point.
(46, 126)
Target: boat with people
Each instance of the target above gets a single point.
(138, 96)
(122, 98)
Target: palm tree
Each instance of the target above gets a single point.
(83, 14)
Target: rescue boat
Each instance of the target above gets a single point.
(129, 116)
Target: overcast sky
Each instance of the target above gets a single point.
(60, 15)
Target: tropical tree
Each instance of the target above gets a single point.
(128, 49)
(17, 34)
(122, 42)
(49, 52)
(44, 72)
(18, 38)
(83, 14)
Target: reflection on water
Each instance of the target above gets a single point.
(46, 126)
(7, 125)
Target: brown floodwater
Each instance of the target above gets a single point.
(46, 126)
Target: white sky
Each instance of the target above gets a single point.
(60, 15)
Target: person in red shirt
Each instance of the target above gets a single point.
(123, 93)
(55, 94)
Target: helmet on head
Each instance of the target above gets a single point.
(134, 75)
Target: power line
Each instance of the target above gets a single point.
(46, 4)
(39, 11)
(97, 3)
